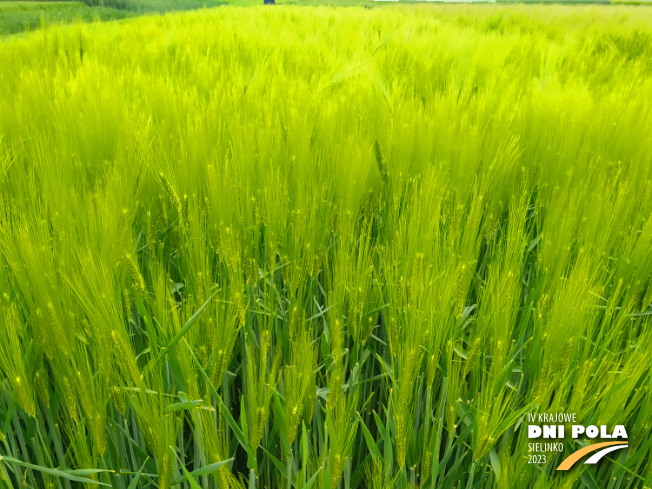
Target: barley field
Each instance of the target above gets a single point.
(329, 248)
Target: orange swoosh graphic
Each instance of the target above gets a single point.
(574, 457)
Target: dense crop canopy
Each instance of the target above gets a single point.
(319, 247)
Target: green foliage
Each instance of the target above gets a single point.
(25, 16)
(28, 16)
(330, 248)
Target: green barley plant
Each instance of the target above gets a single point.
(335, 248)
